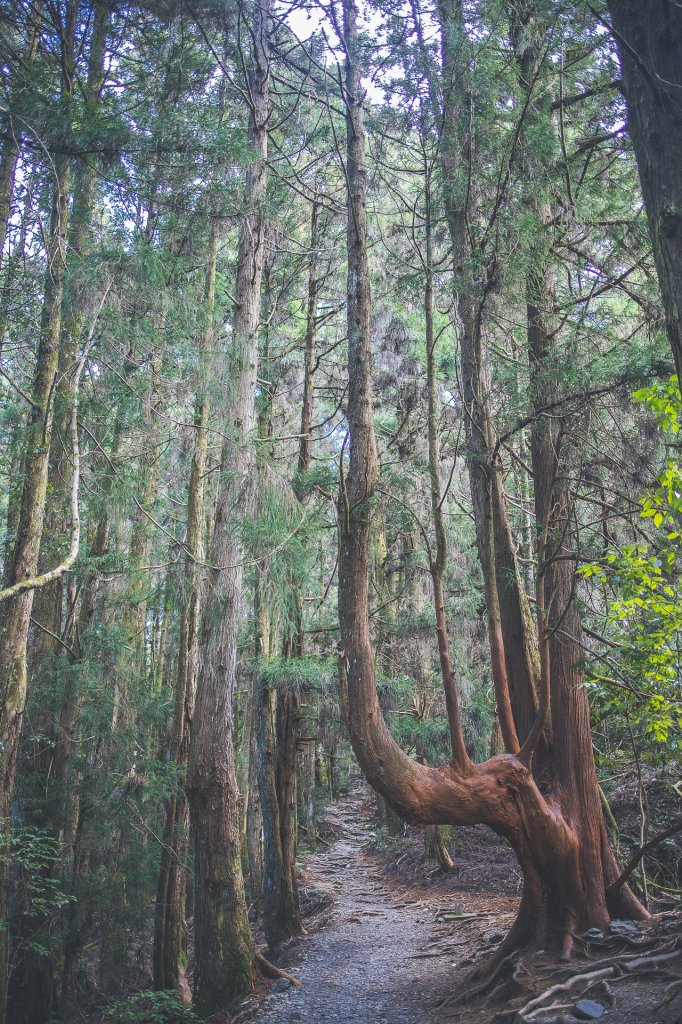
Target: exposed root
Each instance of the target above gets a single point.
(615, 968)
(671, 990)
(470, 992)
(269, 970)
(583, 982)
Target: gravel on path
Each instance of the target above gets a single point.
(366, 965)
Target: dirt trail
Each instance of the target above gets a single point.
(389, 953)
(380, 958)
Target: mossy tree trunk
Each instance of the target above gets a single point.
(15, 613)
(227, 961)
(170, 939)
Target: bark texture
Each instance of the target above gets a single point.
(170, 940)
(649, 38)
(15, 614)
(549, 839)
(226, 957)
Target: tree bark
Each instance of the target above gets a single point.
(226, 957)
(11, 146)
(649, 39)
(15, 614)
(170, 939)
(460, 758)
(254, 823)
(500, 792)
(47, 606)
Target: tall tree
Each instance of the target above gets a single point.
(227, 961)
(649, 38)
(170, 945)
(15, 613)
(565, 878)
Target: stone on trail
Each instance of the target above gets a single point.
(593, 934)
(626, 928)
(587, 1009)
(282, 985)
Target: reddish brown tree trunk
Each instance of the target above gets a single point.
(501, 792)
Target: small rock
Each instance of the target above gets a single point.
(593, 934)
(282, 985)
(587, 1009)
(494, 935)
(627, 928)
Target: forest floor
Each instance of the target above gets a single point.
(391, 943)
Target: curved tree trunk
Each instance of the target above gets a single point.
(558, 896)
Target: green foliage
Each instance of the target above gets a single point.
(645, 608)
(35, 874)
(385, 842)
(149, 1008)
(303, 674)
(429, 737)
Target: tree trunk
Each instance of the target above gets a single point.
(226, 957)
(170, 940)
(438, 559)
(254, 823)
(436, 847)
(288, 728)
(48, 754)
(47, 607)
(15, 614)
(265, 698)
(649, 38)
(307, 798)
(559, 628)
(501, 792)
(9, 157)
(74, 802)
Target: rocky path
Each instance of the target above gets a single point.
(392, 953)
(381, 956)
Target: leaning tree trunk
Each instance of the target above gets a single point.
(226, 956)
(501, 792)
(649, 38)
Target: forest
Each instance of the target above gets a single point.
(340, 511)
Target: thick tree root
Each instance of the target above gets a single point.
(615, 968)
(268, 970)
